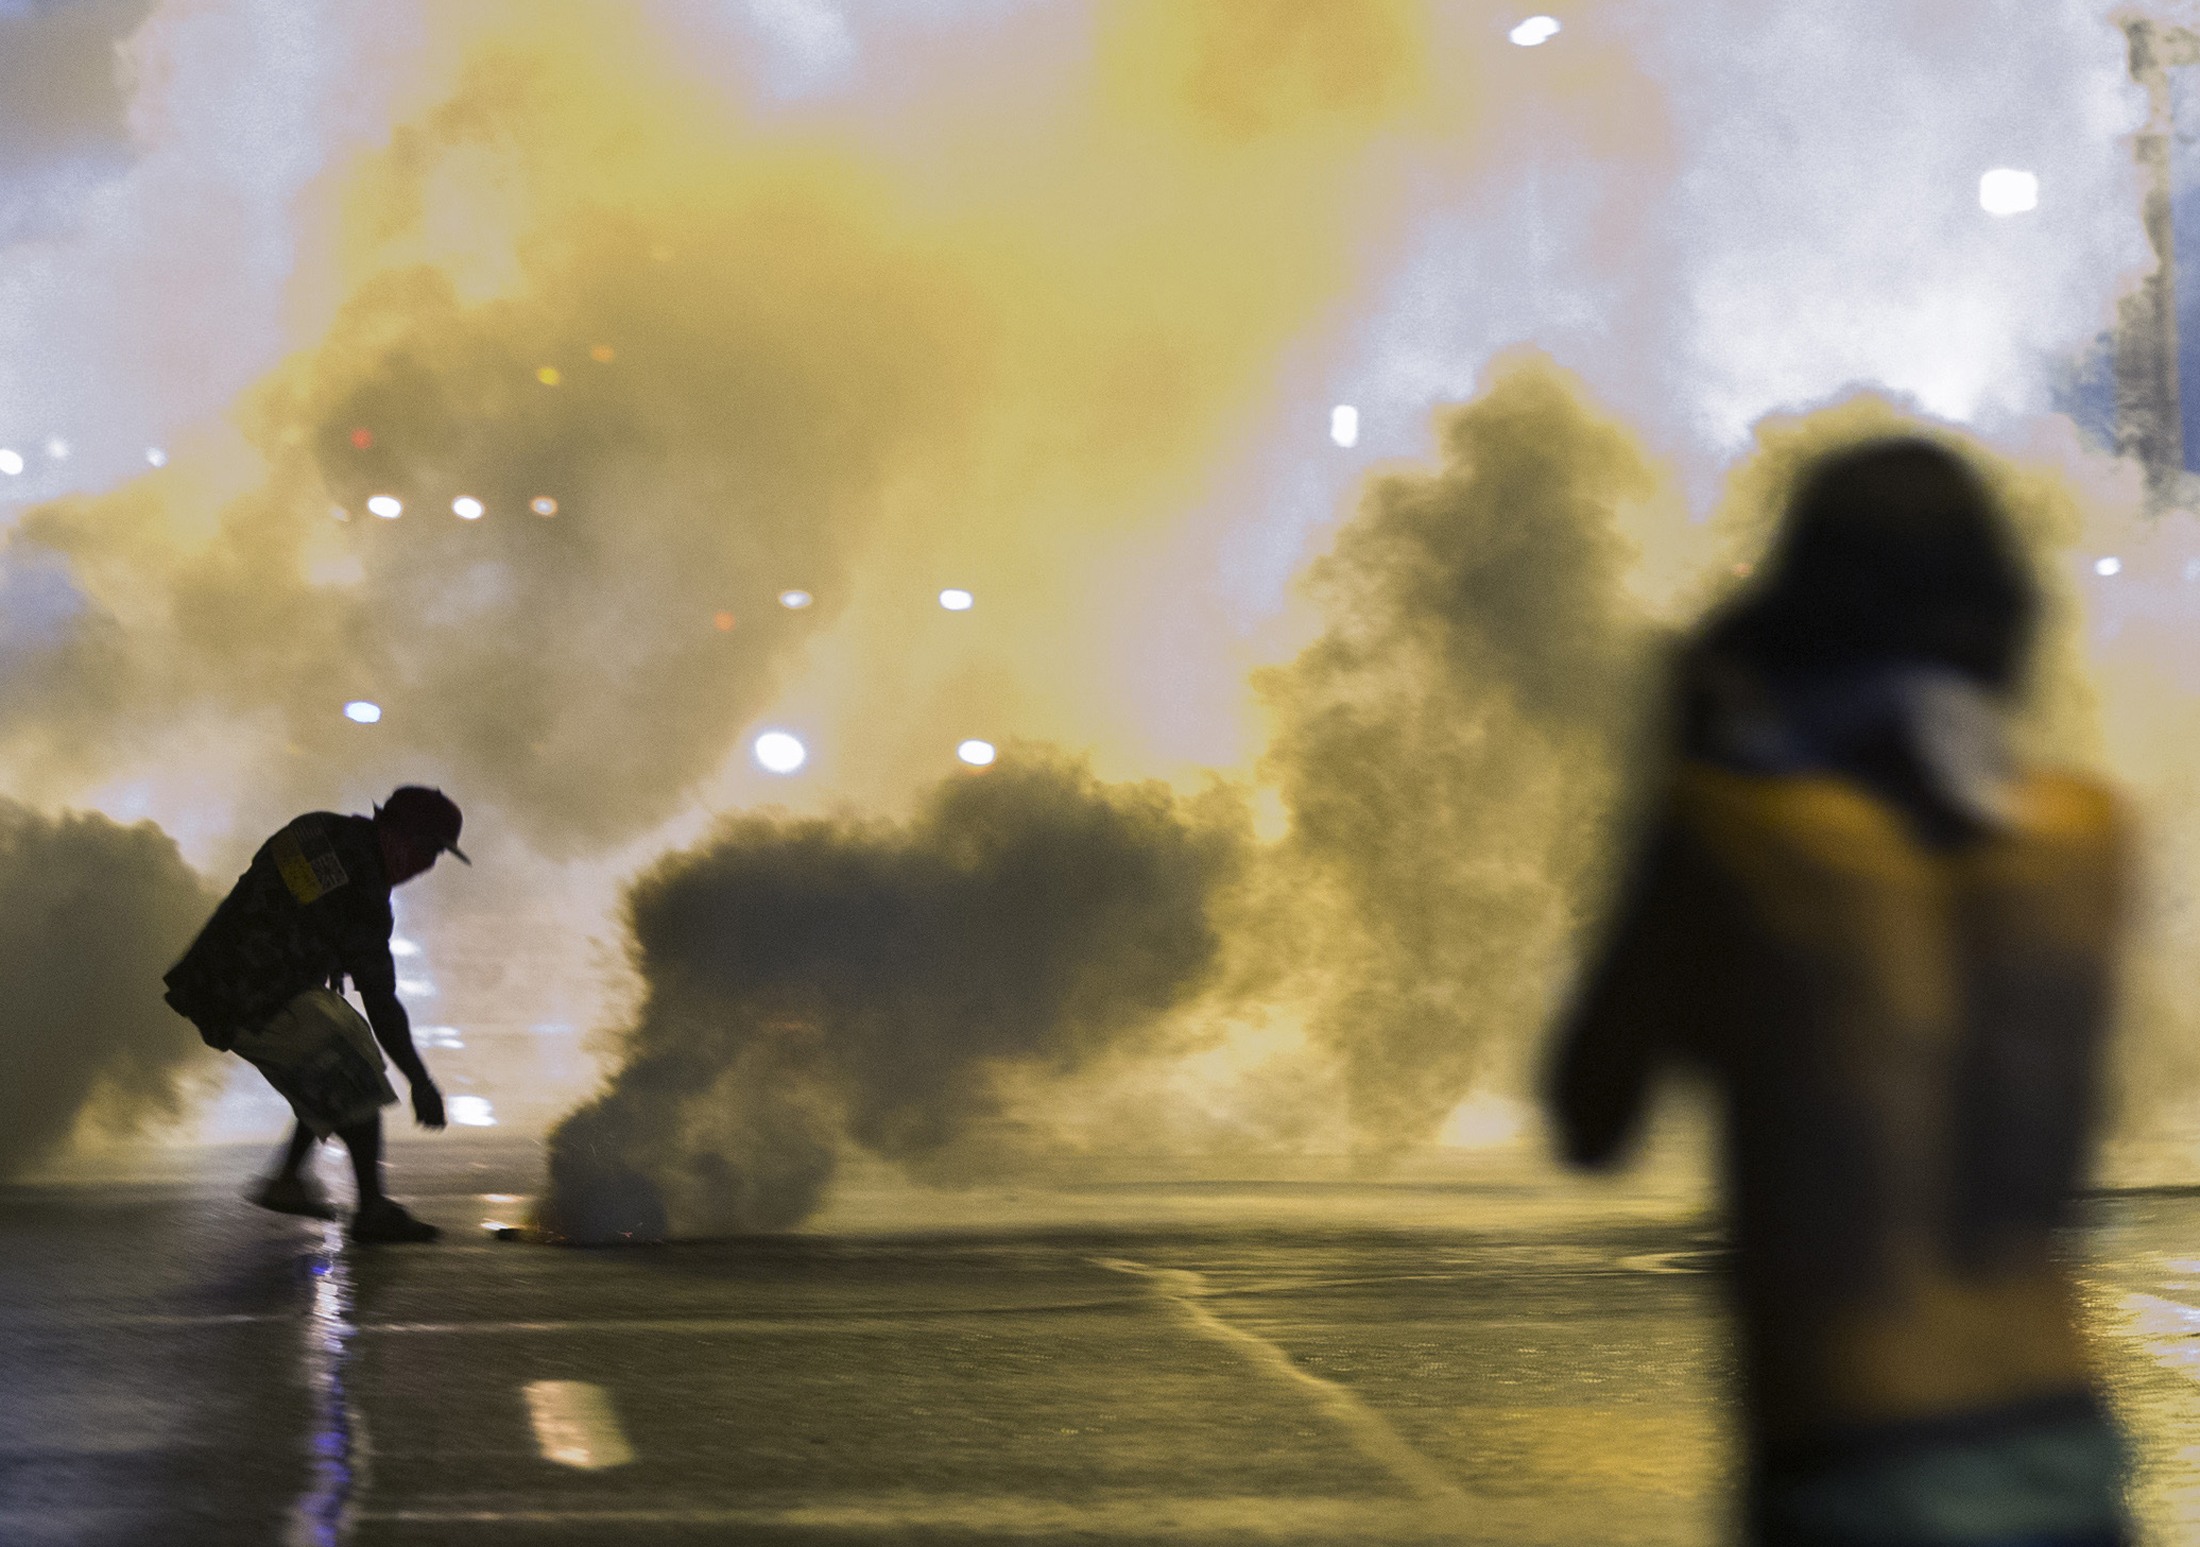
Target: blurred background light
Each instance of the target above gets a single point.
(957, 600)
(388, 506)
(795, 600)
(362, 711)
(466, 508)
(543, 505)
(1536, 30)
(1344, 425)
(780, 753)
(2007, 191)
(11, 462)
(976, 753)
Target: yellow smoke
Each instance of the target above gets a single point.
(1008, 323)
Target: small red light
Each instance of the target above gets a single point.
(722, 621)
(362, 437)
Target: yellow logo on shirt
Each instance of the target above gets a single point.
(309, 876)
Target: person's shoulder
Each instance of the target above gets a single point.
(1706, 795)
(2071, 805)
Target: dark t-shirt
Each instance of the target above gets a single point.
(314, 903)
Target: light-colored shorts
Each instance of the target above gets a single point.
(320, 1054)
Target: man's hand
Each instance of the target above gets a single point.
(427, 1103)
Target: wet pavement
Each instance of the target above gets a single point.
(1127, 1362)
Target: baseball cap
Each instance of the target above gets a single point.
(428, 813)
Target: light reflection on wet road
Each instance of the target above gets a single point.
(1234, 1363)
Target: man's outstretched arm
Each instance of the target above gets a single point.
(393, 1029)
(1620, 1026)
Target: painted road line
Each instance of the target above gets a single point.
(685, 1326)
(1368, 1429)
(1132, 1518)
(575, 1425)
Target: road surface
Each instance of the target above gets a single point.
(1124, 1362)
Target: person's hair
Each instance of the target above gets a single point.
(423, 812)
(1891, 550)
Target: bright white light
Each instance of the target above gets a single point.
(362, 712)
(470, 1112)
(388, 506)
(795, 601)
(416, 988)
(439, 1036)
(156, 456)
(1344, 425)
(2107, 566)
(543, 505)
(400, 946)
(957, 601)
(11, 462)
(58, 449)
(466, 508)
(779, 753)
(1535, 30)
(2006, 191)
(976, 753)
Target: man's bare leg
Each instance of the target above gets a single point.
(288, 1190)
(295, 1153)
(380, 1217)
(364, 1141)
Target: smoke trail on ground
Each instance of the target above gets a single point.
(810, 984)
(91, 914)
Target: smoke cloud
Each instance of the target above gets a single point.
(1451, 749)
(1048, 302)
(676, 355)
(91, 914)
(815, 983)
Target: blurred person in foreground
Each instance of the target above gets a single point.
(1891, 951)
(264, 980)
